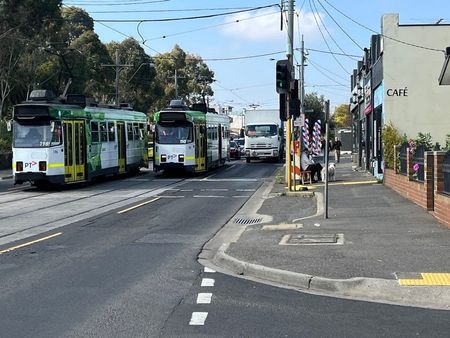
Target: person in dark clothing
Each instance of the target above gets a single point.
(308, 164)
(337, 150)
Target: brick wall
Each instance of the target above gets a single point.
(442, 209)
(427, 194)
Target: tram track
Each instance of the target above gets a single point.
(96, 195)
(85, 211)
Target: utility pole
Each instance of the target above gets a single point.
(118, 67)
(289, 54)
(327, 123)
(302, 79)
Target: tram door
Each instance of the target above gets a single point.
(200, 148)
(74, 151)
(122, 146)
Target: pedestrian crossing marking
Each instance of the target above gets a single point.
(428, 279)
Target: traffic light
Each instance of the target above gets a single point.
(294, 102)
(283, 76)
(283, 116)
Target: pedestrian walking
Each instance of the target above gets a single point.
(337, 150)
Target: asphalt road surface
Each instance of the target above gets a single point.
(123, 263)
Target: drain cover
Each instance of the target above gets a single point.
(306, 239)
(247, 221)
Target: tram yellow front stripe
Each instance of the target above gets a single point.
(137, 206)
(55, 165)
(442, 279)
(29, 243)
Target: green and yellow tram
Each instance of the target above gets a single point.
(64, 141)
(190, 140)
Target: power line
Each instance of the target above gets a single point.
(342, 29)
(331, 36)
(327, 70)
(170, 10)
(188, 17)
(208, 27)
(323, 37)
(325, 74)
(114, 3)
(383, 35)
(328, 52)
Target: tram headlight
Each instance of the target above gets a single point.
(163, 158)
(180, 158)
(19, 166)
(42, 166)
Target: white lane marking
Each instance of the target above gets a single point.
(198, 318)
(186, 190)
(231, 167)
(138, 205)
(207, 282)
(212, 189)
(223, 179)
(208, 196)
(243, 190)
(209, 270)
(208, 177)
(168, 196)
(204, 298)
(241, 196)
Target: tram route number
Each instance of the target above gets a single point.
(171, 157)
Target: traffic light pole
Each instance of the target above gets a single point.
(289, 54)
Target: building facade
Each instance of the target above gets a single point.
(397, 82)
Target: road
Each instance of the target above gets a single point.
(122, 262)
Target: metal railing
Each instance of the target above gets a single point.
(446, 172)
(403, 152)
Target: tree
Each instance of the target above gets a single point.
(136, 82)
(194, 78)
(24, 24)
(342, 117)
(315, 106)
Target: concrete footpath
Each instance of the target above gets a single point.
(375, 245)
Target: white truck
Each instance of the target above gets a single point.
(263, 135)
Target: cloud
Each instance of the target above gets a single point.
(264, 25)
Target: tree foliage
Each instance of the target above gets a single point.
(342, 117)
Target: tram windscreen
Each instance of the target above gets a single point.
(173, 133)
(37, 135)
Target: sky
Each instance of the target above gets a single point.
(242, 48)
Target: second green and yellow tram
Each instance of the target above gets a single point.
(190, 140)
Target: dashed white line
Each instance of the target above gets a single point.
(231, 167)
(244, 190)
(209, 270)
(207, 282)
(204, 298)
(241, 196)
(208, 196)
(217, 189)
(198, 318)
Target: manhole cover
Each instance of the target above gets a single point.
(317, 239)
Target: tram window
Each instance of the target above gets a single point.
(94, 131)
(136, 133)
(130, 131)
(141, 131)
(103, 132)
(111, 132)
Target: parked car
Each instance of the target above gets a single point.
(240, 142)
(235, 151)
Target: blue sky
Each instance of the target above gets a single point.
(242, 82)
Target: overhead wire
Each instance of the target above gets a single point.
(384, 35)
(77, 3)
(325, 74)
(207, 16)
(329, 34)
(328, 52)
(340, 27)
(168, 10)
(327, 70)
(323, 37)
